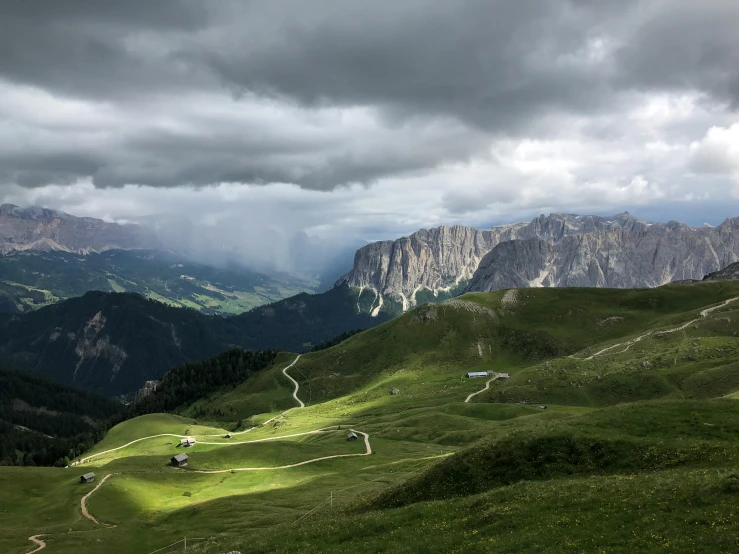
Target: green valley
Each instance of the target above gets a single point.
(608, 422)
(33, 279)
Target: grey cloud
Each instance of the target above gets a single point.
(478, 69)
(684, 46)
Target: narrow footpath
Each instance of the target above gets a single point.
(630, 343)
(486, 387)
(295, 396)
(83, 502)
(40, 545)
(367, 452)
(297, 387)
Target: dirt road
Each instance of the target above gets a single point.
(486, 387)
(83, 502)
(630, 343)
(297, 387)
(367, 452)
(40, 545)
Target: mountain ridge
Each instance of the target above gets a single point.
(616, 258)
(37, 228)
(437, 261)
(112, 343)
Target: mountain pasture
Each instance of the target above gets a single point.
(566, 454)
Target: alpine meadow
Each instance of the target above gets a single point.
(393, 277)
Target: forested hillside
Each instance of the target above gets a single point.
(42, 422)
(113, 342)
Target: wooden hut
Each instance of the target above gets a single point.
(180, 460)
(87, 478)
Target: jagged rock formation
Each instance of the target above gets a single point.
(728, 273)
(42, 229)
(648, 256)
(439, 262)
(146, 390)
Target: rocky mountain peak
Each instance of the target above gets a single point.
(37, 228)
(442, 260)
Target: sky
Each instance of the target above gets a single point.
(351, 120)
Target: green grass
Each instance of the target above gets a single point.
(666, 511)
(636, 451)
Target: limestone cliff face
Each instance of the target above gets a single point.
(622, 258)
(438, 260)
(42, 229)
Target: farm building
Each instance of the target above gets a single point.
(180, 460)
(188, 441)
(473, 374)
(352, 436)
(87, 478)
(503, 376)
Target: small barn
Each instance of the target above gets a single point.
(87, 478)
(473, 374)
(180, 460)
(503, 376)
(352, 436)
(188, 441)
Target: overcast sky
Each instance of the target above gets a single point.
(357, 119)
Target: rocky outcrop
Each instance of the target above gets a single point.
(622, 258)
(728, 273)
(146, 390)
(442, 260)
(42, 229)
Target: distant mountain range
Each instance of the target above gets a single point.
(267, 250)
(49, 230)
(113, 342)
(554, 250)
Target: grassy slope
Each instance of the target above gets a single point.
(680, 449)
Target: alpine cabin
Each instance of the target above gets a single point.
(87, 478)
(180, 460)
(473, 374)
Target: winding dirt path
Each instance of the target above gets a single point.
(297, 387)
(97, 455)
(40, 545)
(368, 446)
(295, 396)
(703, 314)
(83, 502)
(486, 387)
(367, 452)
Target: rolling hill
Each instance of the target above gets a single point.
(616, 430)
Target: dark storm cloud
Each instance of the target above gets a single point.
(684, 46)
(440, 80)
